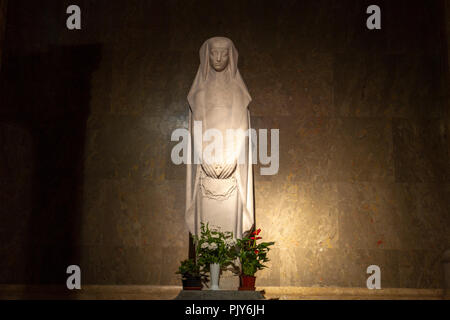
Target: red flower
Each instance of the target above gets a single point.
(257, 231)
(257, 238)
(253, 238)
(256, 251)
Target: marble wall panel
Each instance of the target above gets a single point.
(413, 27)
(142, 213)
(101, 82)
(299, 35)
(307, 76)
(420, 269)
(96, 197)
(109, 153)
(335, 267)
(420, 150)
(361, 150)
(303, 214)
(431, 220)
(391, 85)
(371, 215)
(3, 12)
(270, 276)
(121, 264)
(350, 32)
(263, 102)
(304, 148)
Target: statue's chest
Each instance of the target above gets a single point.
(217, 96)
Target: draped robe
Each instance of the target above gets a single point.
(220, 101)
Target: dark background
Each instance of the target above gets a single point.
(86, 118)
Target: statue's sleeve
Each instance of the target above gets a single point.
(191, 181)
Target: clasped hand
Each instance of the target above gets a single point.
(219, 171)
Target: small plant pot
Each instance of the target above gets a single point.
(247, 283)
(192, 283)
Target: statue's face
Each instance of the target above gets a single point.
(219, 56)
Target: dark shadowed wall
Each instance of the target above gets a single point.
(3, 7)
(86, 118)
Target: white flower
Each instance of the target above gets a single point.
(213, 246)
(215, 236)
(230, 242)
(205, 245)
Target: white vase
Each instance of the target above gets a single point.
(214, 269)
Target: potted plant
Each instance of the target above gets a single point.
(215, 250)
(191, 275)
(252, 257)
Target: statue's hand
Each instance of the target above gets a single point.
(219, 171)
(209, 170)
(227, 171)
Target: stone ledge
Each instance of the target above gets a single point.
(219, 295)
(89, 292)
(332, 293)
(150, 292)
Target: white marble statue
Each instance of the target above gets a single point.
(219, 191)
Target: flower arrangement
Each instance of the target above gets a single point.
(214, 246)
(252, 255)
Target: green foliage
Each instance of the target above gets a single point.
(251, 255)
(214, 246)
(188, 267)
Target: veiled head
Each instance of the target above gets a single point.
(219, 54)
